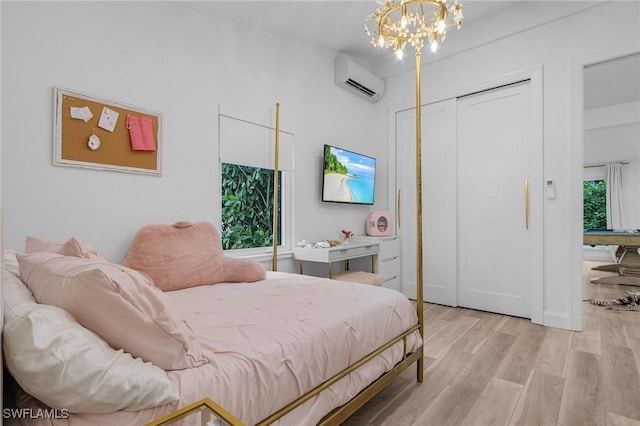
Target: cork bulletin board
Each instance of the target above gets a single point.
(91, 132)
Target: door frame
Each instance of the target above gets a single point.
(535, 75)
(577, 154)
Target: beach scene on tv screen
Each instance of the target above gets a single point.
(348, 177)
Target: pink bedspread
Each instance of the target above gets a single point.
(271, 341)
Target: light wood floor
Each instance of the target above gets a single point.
(483, 369)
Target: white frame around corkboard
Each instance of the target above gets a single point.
(71, 136)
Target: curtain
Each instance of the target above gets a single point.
(613, 179)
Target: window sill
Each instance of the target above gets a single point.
(260, 257)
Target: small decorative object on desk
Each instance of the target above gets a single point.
(318, 244)
(347, 234)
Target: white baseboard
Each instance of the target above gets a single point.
(557, 320)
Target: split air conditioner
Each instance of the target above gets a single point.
(354, 78)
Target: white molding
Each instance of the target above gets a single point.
(392, 200)
(557, 320)
(576, 131)
(501, 80)
(537, 290)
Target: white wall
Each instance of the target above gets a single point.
(609, 139)
(183, 64)
(551, 46)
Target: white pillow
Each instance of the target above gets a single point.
(10, 262)
(66, 366)
(16, 296)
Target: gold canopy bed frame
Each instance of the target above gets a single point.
(396, 23)
(339, 414)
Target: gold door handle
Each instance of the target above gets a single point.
(526, 204)
(399, 215)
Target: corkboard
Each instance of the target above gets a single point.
(72, 135)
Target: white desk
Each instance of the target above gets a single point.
(345, 251)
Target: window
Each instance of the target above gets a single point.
(595, 204)
(247, 207)
(247, 162)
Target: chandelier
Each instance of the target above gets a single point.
(398, 22)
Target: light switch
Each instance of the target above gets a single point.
(551, 189)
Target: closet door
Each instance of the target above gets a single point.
(499, 196)
(438, 201)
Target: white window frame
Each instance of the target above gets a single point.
(286, 213)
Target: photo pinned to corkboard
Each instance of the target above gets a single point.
(96, 133)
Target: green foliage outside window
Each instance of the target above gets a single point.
(247, 207)
(595, 204)
(332, 165)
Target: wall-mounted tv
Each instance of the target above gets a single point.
(348, 177)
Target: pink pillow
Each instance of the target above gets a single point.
(71, 247)
(185, 255)
(35, 244)
(117, 304)
(76, 248)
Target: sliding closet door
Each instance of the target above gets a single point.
(499, 196)
(438, 200)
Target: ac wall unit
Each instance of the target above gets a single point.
(354, 78)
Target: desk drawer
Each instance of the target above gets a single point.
(389, 248)
(350, 253)
(393, 283)
(389, 268)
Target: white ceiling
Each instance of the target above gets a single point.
(336, 25)
(612, 82)
(339, 26)
(333, 24)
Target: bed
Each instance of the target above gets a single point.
(286, 349)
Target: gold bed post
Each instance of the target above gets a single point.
(419, 280)
(274, 259)
(398, 23)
